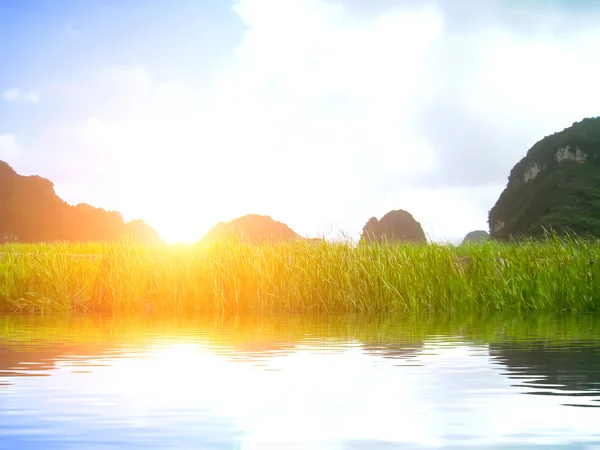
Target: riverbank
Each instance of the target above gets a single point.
(232, 277)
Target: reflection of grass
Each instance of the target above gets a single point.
(263, 332)
(302, 277)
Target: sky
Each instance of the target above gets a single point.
(319, 113)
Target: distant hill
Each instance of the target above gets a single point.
(252, 228)
(556, 186)
(30, 211)
(139, 231)
(397, 225)
(476, 236)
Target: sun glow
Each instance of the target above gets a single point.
(189, 156)
(163, 172)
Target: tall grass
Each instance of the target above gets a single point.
(232, 277)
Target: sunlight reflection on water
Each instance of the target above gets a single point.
(302, 385)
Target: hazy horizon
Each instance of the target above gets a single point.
(318, 113)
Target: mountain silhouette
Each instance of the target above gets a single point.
(30, 211)
(252, 228)
(397, 225)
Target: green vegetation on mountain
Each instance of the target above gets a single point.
(555, 187)
(397, 225)
(476, 236)
(30, 211)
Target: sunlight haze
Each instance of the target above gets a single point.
(319, 113)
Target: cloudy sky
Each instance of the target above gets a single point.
(320, 113)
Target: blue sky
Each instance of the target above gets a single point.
(320, 113)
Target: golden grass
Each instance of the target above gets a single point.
(309, 277)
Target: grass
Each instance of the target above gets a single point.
(232, 277)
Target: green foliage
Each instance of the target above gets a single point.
(564, 197)
(303, 276)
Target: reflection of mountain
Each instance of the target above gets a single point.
(393, 349)
(257, 353)
(24, 359)
(574, 366)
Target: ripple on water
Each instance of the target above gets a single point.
(313, 383)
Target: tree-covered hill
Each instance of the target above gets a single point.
(396, 225)
(555, 187)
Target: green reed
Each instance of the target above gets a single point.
(545, 276)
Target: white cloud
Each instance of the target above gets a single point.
(130, 80)
(320, 105)
(18, 95)
(553, 81)
(330, 109)
(323, 118)
(10, 148)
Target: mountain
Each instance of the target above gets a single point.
(556, 186)
(397, 225)
(139, 231)
(476, 236)
(30, 211)
(252, 228)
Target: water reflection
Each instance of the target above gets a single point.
(351, 382)
(401, 350)
(568, 369)
(28, 359)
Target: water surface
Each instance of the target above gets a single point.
(297, 382)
